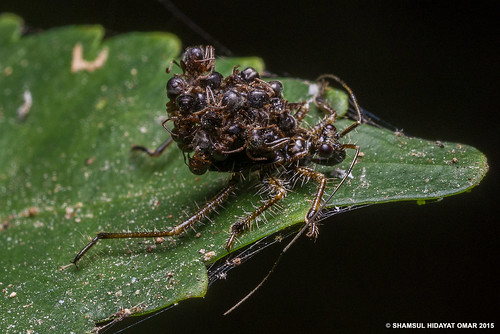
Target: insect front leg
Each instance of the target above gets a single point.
(279, 192)
(312, 215)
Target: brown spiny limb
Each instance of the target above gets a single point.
(311, 216)
(279, 192)
(206, 209)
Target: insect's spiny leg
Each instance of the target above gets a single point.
(157, 152)
(201, 213)
(206, 209)
(278, 189)
(349, 128)
(311, 216)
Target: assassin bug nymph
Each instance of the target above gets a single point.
(241, 124)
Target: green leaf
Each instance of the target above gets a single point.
(66, 173)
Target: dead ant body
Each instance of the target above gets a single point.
(243, 124)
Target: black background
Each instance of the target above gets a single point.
(430, 68)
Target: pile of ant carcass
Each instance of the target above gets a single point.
(241, 122)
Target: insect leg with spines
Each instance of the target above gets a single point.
(201, 213)
(278, 192)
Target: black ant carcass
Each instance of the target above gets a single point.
(242, 124)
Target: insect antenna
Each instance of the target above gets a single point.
(370, 118)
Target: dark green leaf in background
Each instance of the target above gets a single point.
(66, 173)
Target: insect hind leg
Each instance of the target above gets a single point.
(202, 212)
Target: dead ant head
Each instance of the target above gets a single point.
(198, 60)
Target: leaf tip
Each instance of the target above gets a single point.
(10, 27)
